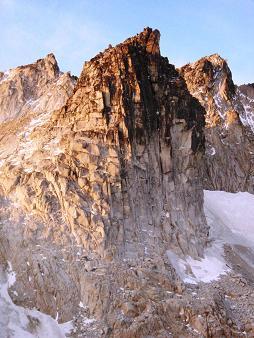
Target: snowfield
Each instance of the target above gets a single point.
(231, 220)
(230, 216)
(18, 322)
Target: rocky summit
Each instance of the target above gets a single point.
(104, 223)
(229, 129)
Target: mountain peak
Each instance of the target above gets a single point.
(38, 86)
(215, 59)
(210, 80)
(148, 38)
(209, 62)
(49, 64)
(50, 58)
(144, 39)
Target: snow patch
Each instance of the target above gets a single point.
(19, 322)
(205, 270)
(67, 327)
(210, 150)
(7, 76)
(230, 217)
(247, 116)
(88, 321)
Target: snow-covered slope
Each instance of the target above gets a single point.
(231, 216)
(18, 322)
(231, 220)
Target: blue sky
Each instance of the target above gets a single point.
(77, 30)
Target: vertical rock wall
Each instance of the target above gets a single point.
(144, 133)
(101, 188)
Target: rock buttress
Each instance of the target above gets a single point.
(138, 135)
(104, 187)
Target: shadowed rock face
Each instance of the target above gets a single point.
(97, 191)
(229, 129)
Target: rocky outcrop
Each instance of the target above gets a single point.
(210, 81)
(246, 93)
(38, 87)
(129, 110)
(229, 136)
(28, 95)
(125, 127)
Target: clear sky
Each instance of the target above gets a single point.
(76, 30)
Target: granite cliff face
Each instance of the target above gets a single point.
(101, 184)
(229, 124)
(113, 175)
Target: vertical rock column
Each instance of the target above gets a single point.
(137, 115)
